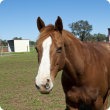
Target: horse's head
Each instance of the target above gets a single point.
(51, 54)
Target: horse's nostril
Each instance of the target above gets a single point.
(47, 86)
(48, 80)
(37, 86)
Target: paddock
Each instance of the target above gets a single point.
(17, 89)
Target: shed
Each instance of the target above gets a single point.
(18, 45)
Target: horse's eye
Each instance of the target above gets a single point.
(59, 49)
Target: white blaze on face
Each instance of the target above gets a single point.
(44, 68)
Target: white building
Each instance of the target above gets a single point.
(18, 46)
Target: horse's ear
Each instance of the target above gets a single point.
(59, 24)
(40, 23)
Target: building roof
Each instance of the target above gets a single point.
(17, 39)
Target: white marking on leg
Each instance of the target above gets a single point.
(44, 68)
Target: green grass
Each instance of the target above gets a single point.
(17, 85)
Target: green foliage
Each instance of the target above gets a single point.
(32, 42)
(81, 28)
(4, 42)
(16, 38)
(96, 37)
(101, 37)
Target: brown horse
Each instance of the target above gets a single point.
(86, 67)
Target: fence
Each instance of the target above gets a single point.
(8, 49)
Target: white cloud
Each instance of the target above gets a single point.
(1, 1)
(108, 1)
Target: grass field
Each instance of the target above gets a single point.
(17, 85)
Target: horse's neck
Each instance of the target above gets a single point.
(74, 63)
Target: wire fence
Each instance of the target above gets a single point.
(10, 49)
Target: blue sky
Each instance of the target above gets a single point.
(18, 17)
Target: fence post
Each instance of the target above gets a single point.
(2, 49)
(27, 48)
(33, 48)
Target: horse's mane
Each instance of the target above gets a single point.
(89, 51)
(50, 30)
(68, 35)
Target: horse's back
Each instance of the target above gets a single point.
(105, 48)
(105, 44)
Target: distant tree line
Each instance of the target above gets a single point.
(82, 29)
(4, 42)
(96, 37)
(16, 38)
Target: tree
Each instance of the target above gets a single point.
(90, 37)
(96, 37)
(81, 28)
(16, 38)
(4, 42)
(101, 37)
(32, 42)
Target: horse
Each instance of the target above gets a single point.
(86, 67)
